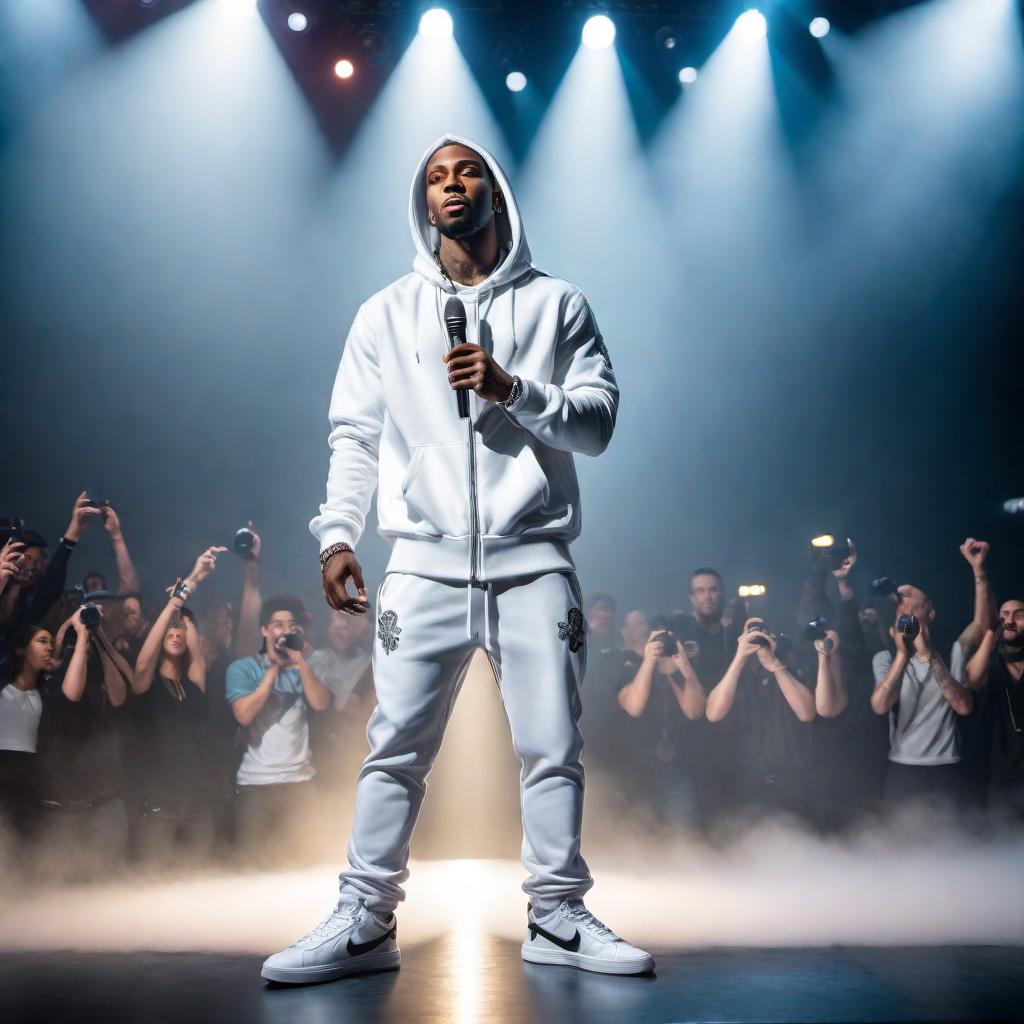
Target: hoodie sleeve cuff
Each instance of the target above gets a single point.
(338, 533)
(531, 400)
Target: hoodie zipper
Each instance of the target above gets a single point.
(474, 511)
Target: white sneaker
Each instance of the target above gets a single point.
(571, 936)
(349, 940)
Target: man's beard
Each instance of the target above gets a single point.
(468, 224)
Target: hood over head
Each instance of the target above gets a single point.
(509, 224)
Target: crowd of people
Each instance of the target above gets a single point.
(708, 713)
(163, 734)
(155, 733)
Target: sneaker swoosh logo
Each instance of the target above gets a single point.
(569, 945)
(357, 948)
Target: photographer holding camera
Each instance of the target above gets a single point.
(666, 701)
(269, 695)
(923, 698)
(28, 594)
(174, 774)
(851, 742)
(80, 736)
(764, 707)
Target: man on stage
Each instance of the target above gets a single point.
(480, 503)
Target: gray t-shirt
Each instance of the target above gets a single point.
(922, 726)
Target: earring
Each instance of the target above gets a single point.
(496, 205)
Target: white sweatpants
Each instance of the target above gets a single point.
(427, 631)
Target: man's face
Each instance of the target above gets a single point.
(635, 629)
(600, 618)
(913, 601)
(94, 582)
(1011, 619)
(281, 622)
(459, 192)
(706, 596)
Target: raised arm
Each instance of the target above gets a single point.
(723, 694)
(891, 669)
(798, 697)
(975, 553)
(76, 673)
(977, 666)
(686, 686)
(633, 697)
(247, 707)
(959, 697)
(830, 696)
(127, 577)
(149, 657)
(247, 633)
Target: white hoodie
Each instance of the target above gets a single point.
(494, 496)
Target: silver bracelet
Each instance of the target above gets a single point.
(515, 394)
(328, 553)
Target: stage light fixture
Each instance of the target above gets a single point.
(751, 590)
(752, 23)
(297, 21)
(666, 38)
(819, 27)
(516, 81)
(436, 24)
(826, 540)
(344, 69)
(687, 76)
(598, 32)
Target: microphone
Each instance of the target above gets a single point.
(455, 323)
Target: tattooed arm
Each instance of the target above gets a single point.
(960, 697)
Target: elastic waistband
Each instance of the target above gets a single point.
(447, 558)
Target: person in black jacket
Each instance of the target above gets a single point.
(29, 596)
(852, 746)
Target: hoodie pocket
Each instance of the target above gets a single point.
(436, 489)
(515, 495)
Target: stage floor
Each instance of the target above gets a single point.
(442, 981)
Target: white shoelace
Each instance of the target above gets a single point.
(579, 914)
(345, 913)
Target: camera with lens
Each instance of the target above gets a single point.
(11, 528)
(884, 587)
(908, 626)
(290, 641)
(244, 542)
(669, 641)
(762, 639)
(817, 629)
(90, 615)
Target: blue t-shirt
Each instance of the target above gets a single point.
(277, 741)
